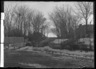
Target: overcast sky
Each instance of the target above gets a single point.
(44, 7)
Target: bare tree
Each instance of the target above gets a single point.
(19, 17)
(38, 21)
(44, 28)
(53, 30)
(53, 18)
(23, 18)
(64, 20)
(85, 9)
(8, 20)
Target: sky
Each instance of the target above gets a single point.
(44, 7)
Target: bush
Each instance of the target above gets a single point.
(29, 44)
(54, 46)
(76, 46)
(45, 42)
(42, 44)
(36, 38)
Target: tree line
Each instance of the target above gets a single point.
(26, 22)
(67, 20)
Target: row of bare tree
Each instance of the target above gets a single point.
(24, 20)
(67, 20)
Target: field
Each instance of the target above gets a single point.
(47, 58)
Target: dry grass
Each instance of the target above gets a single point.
(27, 57)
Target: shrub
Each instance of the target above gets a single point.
(46, 42)
(75, 46)
(29, 44)
(36, 38)
(42, 44)
(54, 46)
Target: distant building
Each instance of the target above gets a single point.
(81, 30)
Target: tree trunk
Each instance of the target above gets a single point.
(86, 25)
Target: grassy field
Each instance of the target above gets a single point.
(77, 53)
(26, 57)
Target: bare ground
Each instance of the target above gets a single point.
(35, 59)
